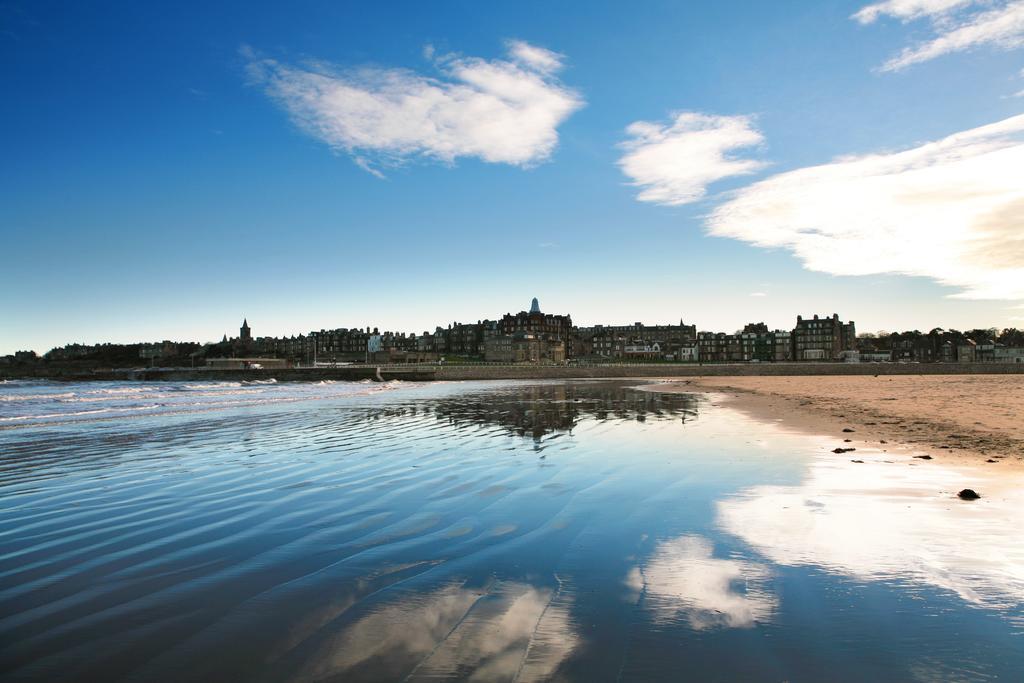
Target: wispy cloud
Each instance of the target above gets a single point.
(907, 10)
(949, 210)
(958, 25)
(674, 163)
(501, 110)
(758, 294)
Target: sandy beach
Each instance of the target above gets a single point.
(957, 418)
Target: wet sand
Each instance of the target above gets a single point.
(955, 418)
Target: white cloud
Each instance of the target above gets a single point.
(950, 210)
(908, 9)
(674, 163)
(958, 25)
(501, 111)
(1021, 92)
(758, 294)
(535, 57)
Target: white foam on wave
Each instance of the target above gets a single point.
(109, 397)
(35, 397)
(190, 398)
(78, 413)
(119, 390)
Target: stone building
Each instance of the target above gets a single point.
(744, 347)
(467, 339)
(822, 339)
(1008, 354)
(610, 340)
(298, 348)
(523, 347)
(542, 325)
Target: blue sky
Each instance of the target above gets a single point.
(170, 168)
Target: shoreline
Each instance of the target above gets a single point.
(932, 416)
(962, 417)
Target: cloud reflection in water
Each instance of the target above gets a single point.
(682, 578)
(507, 631)
(891, 521)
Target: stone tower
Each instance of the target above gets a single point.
(535, 306)
(244, 333)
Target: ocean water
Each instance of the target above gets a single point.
(504, 531)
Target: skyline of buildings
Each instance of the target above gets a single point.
(534, 336)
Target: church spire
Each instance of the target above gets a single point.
(535, 306)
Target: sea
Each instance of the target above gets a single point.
(589, 530)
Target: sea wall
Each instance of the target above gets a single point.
(466, 372)
(423, 373)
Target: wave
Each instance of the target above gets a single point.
(35, 397)
(100, 399)
(166, 400)
(118, 390)
(79, 413)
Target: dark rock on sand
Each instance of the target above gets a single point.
(843, 450)
(847, 429)
(923, 457)
(968, 494)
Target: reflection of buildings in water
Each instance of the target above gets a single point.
(506, 631)
(683, 579)
(888, 521)
(539, 409)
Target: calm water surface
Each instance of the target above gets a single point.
(582, 531)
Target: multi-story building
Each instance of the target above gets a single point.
(603, 344)
(822, 339)
(340, 344)
(688, 353)
(971, 351)
(600, 339)
(1008, 354)
(765, 346)
(523, 347)
(542, 325)
(775, 346)
(468, 339)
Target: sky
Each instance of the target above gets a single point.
(170, 168)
